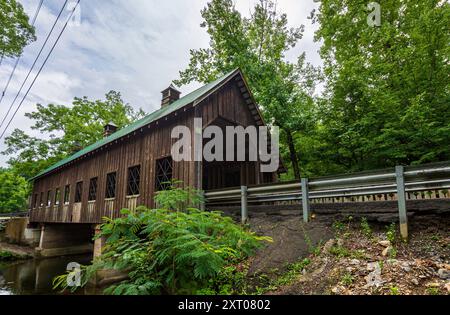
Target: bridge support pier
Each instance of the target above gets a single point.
(64, 239)
(99, 243)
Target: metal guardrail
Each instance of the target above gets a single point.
(401, 182)
(14, 214)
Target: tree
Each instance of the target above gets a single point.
(387, 86)
(68, 129)
(15, 30)
(258, 45)
(14, 191)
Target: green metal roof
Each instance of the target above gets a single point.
(160, 113)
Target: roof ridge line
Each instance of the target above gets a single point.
(136, 124)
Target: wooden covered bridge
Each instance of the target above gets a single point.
(127, 166)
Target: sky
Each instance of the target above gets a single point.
(136, 47)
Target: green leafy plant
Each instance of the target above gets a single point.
(347, 278)
(391, 233)
(342, 252)
(173, 250)
(313, 249)
(338, 226)
(9, 256)
(432, 291)
(6, 256)
(294, 270)
(365, 227)
(394, 290)
(393, 252)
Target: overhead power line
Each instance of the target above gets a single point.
(34, 63)
(18, 58)
(42, 66)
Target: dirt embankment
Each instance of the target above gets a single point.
(347, 257)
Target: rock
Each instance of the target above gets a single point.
(349, 269)
(432, 285)
(415, 281)
(371, 266)
(340, 242)
(444, 273)
(385, 243)
(373, 279)
(447, 286)
(328, 245)
(339, 289)
(386, 251)
(444, 266)
(405, 266)
(393, 262)
(355, 262)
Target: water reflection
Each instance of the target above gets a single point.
(36, 276)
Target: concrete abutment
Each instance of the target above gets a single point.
(65, 239)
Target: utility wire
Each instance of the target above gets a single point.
(18, 58)
(34, 63)
(42, 66)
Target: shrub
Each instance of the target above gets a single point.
(167, 250)
(391, 233)
(365, 227)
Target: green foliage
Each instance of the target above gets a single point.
(365, 227)
(393, 252)
(339, 226)
(294, 271)
(313, 249)
(14, 191)
(387, 87)
(391, 233)
(15, 30)
(229, 281)
(347, 279)
(432, 291)
(68, 128)
(176, 251)
(258, 45)
(175, 197)
(394, 290)
(343, 252)
(87, 272)
(7, 256)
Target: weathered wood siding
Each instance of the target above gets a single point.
(142, 148)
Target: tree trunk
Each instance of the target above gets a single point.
(293, 154)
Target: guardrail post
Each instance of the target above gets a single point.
(305, 200)
(401, 197)
(244, 205)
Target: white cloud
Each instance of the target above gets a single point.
(136, 47)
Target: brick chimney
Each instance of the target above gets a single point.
(109, 129)
(169, 95)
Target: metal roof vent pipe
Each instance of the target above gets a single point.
(109, 129)
(170, 95)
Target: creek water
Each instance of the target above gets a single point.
(35, 276)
